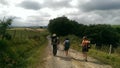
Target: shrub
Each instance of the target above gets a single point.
(8, 57)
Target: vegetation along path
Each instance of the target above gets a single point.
(73, 60)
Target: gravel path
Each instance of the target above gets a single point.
(73, 60)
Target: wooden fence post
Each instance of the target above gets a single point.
(110, 49)
(14, 34)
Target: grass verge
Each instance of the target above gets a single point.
(36, 59)
(113, 59)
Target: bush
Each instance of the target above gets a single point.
(7, 36)
(8, 57)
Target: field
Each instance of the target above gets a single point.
(24, 49)
(115, 26)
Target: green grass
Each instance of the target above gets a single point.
(37, 55)
(24, 49)
(112, 59)
(104, 57)
(115, 26)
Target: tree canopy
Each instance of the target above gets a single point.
(102, 34)
(4, 24)
(62, 26)
(98, 33)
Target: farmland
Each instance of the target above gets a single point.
(24, 45)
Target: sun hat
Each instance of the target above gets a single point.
(84, 37)
(54, 35)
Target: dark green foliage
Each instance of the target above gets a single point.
(80, 29)
(102, 34)
(99, 34)
(62, 26)
(118, 29)
(8, 57)
(15, 52)
(7, 36)
(4, 24)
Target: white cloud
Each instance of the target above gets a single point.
(39, 12)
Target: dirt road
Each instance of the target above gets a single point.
(73, 60)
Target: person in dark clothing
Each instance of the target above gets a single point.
(55, 42)
(66, 45)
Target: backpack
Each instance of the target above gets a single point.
(67, 43)
(89, 46)
(54, 40)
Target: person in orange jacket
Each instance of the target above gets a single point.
(84, 44)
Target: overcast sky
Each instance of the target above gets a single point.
(39, 12)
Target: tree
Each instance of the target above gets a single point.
(79, 30)
(102, 34)
(118, 29)
(62, 26)
(4, 24)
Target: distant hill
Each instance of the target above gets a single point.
(28, 26)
